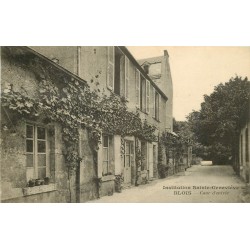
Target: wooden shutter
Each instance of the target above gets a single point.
(157, 96)
(159, 108)
(147, 95)
(111, 71)
(137, 86)
(126, 76)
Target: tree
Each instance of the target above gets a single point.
(217, 124)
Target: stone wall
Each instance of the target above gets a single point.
(14, 176)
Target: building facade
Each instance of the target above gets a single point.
(244, 142)
(158, 69)
(33, 148)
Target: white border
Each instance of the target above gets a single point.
(125, 226)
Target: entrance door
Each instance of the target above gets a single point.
(128, 161)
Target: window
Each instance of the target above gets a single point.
(126, 76)
(107, 155)
(147, 95)
(118, 71)
(157, 100)
(151, 102)
(36, 152)
(138, 84)
(129, 154)
(110, 73)
(143, 94)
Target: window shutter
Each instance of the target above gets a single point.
(147, 95)
(110, 73)
(153, 93)
(159, 108)
(137, 83)
(157, 105)
(126, 76)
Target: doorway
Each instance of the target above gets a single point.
(128, 161)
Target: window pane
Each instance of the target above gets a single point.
(29, 131)
(105, 154)
(29, 146)
(127, 148)
(41, 160)
(105, 141)
(41, 173)
(29, 161)
(40, 133)
(41, 146)
(131, 148)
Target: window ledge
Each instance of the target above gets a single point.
(39, 189)
(108, 178)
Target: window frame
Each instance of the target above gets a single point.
(123, 72)
(157, 106)
(154, 111)
(138, 88)
(35, 153)
(147, 96)
(126, 80)
(107, 170)
(143, 94)
(111, 66)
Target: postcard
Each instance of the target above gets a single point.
(117, 124)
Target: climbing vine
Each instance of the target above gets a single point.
(174, 147)
(74, 105)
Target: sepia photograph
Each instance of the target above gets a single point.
(125, 124)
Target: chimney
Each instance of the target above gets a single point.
(166, 53)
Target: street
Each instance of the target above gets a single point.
(205, 184)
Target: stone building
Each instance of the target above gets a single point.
(33, 148)
(244, 142)
(158, 69)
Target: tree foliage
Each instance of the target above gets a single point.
(217, 124)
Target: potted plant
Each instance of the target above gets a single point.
(37, 182)
(46, 180)
(31, 183)
(118, 183)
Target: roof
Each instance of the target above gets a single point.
(151, 60)
(56, 65)
(123, 48)
(138, 66)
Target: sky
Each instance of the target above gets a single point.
(197, 70)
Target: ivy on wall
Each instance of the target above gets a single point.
(174, 148)
(74, 105)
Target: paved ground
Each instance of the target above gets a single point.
(198, 184)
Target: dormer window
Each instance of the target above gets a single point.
(146, 68)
